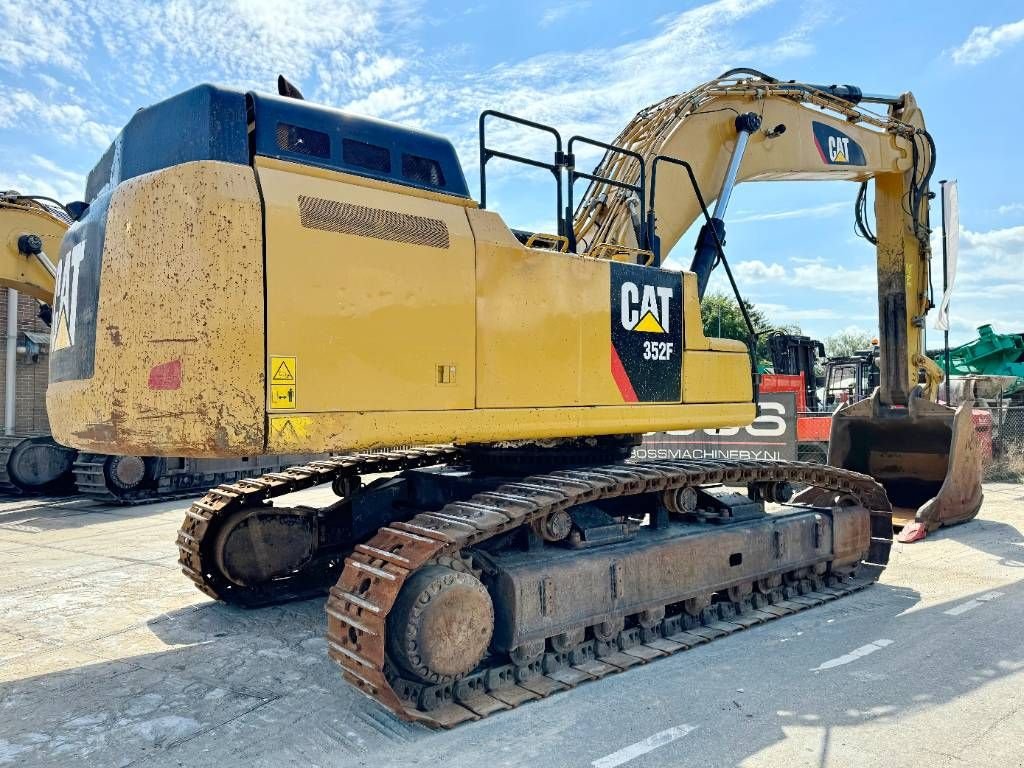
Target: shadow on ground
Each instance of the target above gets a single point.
(215, 685)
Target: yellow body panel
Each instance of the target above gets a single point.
(368, 320)
(181, 280)
(543, 323)
(376, 430)
(393, 316)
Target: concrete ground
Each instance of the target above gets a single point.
(109, 657)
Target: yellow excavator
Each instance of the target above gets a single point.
(31, 227)
(257, 274)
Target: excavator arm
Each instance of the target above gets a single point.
(734, 130)
(747, 126)
(30, 231)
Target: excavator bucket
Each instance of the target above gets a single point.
(927, 457)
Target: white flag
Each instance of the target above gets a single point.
(951, 236)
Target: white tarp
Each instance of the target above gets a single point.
(951, 233)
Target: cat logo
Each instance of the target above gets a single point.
(839, 148)
(645, 308)
(835, 147)
(62, 335)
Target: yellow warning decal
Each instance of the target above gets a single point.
(290, 429)
(282, 396)
(282, 370)
(649, 324)
(61, 334)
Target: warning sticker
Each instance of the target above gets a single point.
(290, 429)
(282, 396)
(282, 370)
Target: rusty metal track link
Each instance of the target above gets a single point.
(374, 573)
(203, 516)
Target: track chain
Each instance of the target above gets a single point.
(7, 445)
(228, 498)
(374, 573)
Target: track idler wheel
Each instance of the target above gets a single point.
(740, 592)
(258, 545)
(440, 626)
(126, 473)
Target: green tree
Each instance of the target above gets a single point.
(845, 343)
(722, 318)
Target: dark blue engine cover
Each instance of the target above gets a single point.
(312, 134)
(203, 123)
(210, 123)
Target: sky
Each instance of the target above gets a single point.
(73, 72)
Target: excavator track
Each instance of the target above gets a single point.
(7, 446)
(204, 516)
(44, 474)
(373, 576)
(375, 570)
(91, 481)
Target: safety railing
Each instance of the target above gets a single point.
(487, 153)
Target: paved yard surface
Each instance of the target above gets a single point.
(109, 657)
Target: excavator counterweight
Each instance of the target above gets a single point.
(31, 229)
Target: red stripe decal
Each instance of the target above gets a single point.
(621, 378)
(817, 145)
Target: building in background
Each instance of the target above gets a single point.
(32, 367)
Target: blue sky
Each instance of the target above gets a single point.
(73, 72)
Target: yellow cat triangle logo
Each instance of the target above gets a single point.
(61, 334)
(840, 156)
(649, 324)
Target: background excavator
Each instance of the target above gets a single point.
(257, 274)
(30, 228)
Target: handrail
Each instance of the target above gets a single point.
(643, 237)
(487, 153)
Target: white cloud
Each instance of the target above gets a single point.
(597, 91)
(833, 278)
(390, 102)
(69, 122)
(817, 211)
(34, 33)
(40, 176)
(756, 270)
(783, 313)
(1004, 210)
(561, 11)
(243, 42)
(1000, 244)
(986, 42)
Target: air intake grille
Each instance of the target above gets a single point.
(349, 219)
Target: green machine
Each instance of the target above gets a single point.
(991, 354)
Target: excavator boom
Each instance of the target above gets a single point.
(747, 126)
(30, 231)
